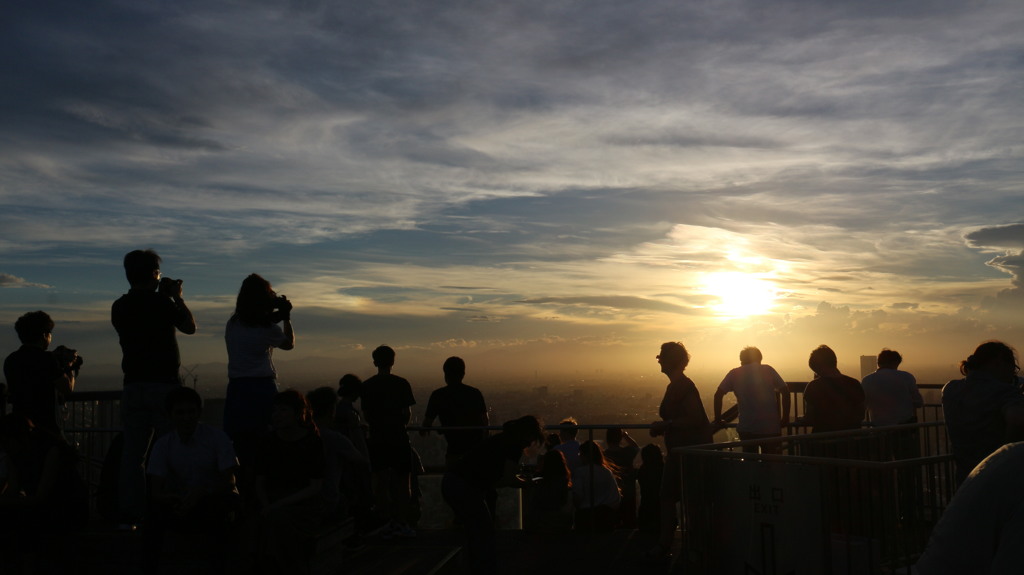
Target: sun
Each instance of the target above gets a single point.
(736, 294)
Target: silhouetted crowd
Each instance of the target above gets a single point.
(287, 468)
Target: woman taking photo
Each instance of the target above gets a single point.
(261, 322)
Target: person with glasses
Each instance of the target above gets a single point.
(147, 319)
(683, 422)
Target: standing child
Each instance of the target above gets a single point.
(652, 466)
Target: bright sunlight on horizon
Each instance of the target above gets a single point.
(739, 295)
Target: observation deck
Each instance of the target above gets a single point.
(829, 503)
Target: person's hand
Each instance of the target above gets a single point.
(284, 305)
(67, 357)
(170, 288)
(658, 428)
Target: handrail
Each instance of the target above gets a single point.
(554, 427)
(104, 395)
(94, 433)
(725, 449)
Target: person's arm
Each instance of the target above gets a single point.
(65, 383)
(427, 422)
(915, 393)
(810, 404)
(784, 398)
(629, 439)
(284, 315)
(481, 410)
(658, 427)
(66, 366)
(428, 417)
(289, 335)
(183, 319)
(719, 394)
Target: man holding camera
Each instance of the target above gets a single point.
(146, 319)
(40, 380)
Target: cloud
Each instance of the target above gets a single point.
(1009, 236)
(524, 166)
(1011, 263)
(10, 281)
(614, 302)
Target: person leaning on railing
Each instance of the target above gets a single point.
(834, 401)
(985, 409)
(757, 387)
(492, 463)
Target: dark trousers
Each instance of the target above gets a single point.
(469, 502)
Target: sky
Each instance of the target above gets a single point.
(546, 189)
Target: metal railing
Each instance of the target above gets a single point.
(859, 501)
(93, 422)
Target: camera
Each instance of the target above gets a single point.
(69, 357)
(169, 287)
(282, 308)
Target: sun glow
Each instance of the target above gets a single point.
(736, 294)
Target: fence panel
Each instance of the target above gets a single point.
(852, 502)
(92, 421)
